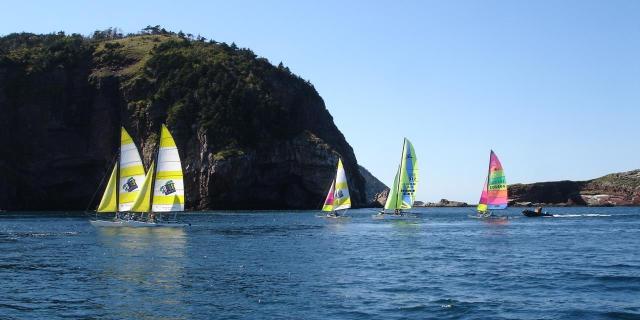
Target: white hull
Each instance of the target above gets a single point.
(333, 217)
(136, 224)
(387, 216)
(340, 214)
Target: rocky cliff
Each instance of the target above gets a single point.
(251, 135)
(441, 203)
(617, 189)
(376, 192)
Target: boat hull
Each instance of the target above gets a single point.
(533, 214)
(337, 215)
(136, 224)
(394, 216)
(488, 217)
(333, 217)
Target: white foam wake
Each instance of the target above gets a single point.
(580, 215)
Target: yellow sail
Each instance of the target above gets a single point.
(168, 190)
(143, 201)
(338, 197)
(108, 202)
(131, 172)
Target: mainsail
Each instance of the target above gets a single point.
(338, 197)
(131, 172)
(494, 194)
(168, 189)
(402, 193)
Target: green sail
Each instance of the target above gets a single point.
(402, 193)
(392, 198)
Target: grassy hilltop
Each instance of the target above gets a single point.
(250, 134)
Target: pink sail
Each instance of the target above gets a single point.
(494, 194)
(328, 202)
(482, 204)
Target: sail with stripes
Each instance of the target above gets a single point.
(328, 202)
(494, 194)
(131, 172)
(402, 193)
(338, 197)
(168, 189)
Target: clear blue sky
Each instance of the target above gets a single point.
(552, 86)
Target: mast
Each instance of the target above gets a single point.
(488, 176)
(155, 170)
(334, 193)
(330, 193)
(119, 155)
(404, 143)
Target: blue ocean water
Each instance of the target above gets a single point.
(584, 264)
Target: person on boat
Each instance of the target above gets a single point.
(539, 210)
(397, 212)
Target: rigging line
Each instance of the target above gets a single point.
(100, 184)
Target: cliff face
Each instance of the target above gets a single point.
(613, 189)
(250, 135)
(376, 192)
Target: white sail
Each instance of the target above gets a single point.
(341, 198)
(168, 190)
(131, 172)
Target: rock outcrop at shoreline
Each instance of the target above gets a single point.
(617, 189)
(376, 192)
(441, 203)
(251, 135)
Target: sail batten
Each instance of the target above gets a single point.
(168, 189)
(494, 194)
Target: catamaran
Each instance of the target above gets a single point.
(402, 193)
(494, 194)
(338, 199)
(161, 191)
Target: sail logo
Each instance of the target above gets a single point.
(168, 188)
(408, 188)
(130, 185)
(339, 194)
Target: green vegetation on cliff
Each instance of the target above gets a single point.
(225, 106)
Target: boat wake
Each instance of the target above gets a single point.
(580, 215)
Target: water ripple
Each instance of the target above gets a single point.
(275, 265)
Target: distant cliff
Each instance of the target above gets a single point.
(441, 203)
(376, 192)
(251, 135)
(617, 189)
